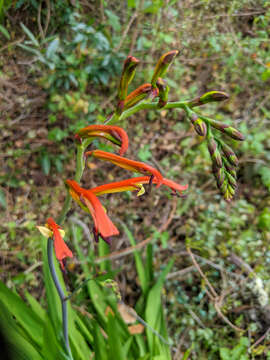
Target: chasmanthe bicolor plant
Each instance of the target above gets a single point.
(149, 96)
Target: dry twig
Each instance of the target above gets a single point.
(212, 294)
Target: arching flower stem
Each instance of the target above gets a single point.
(50, 251)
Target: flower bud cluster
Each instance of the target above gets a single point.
(224, 160)
(224, 168)
(158, 87)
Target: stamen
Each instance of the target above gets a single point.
(96, 234)
(150, 183)
(116, 135)
(82, 199)
(63, 267)
(174, 193)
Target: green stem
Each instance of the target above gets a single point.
(60, 293)
(144, 105)
(80, 164)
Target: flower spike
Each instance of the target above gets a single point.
(115, 134)
(131, 165)
(103, 226)
(61, 249)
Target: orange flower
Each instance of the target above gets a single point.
(103, 226)
(61, 249)
(131, 165)
(115, 134)
(136, 184)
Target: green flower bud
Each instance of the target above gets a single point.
(229, 167)
(230, 155)
(199, 125)
(231, 189)
(208, 97)
(213, 96)
(232, 181)
(226, 129)
(223, 187)
(233, 173)
(220, 176)
(163, 64)
(228, 195)
(214, 153)
(234, 134)
(128, 73)
(163, 92)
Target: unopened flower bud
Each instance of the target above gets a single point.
(223, 187)
(128, 73)
(141, 93)
(226, 129)
(228, 195)
(220, 176)
(199, 125)
(163, 65)
(232, 181)
(231, 189)
(214, 152)
(233, 173)
(163, 92)
(213, 96)
(209, 97)
(233, 133)
(230, 155)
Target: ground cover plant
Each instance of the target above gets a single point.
(199, 221)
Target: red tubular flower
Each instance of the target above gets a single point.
(61, 249)
(131, 165)
(115, 134)
(103, 226)
(136, 184)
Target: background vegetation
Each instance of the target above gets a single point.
(60, 64)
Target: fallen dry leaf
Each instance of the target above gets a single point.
(136, 329)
